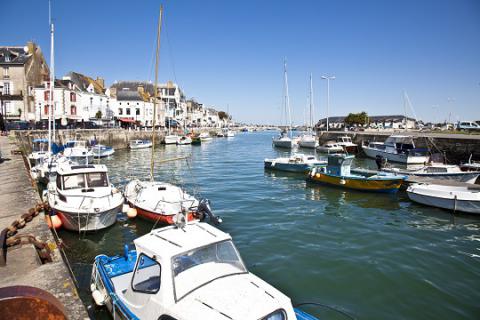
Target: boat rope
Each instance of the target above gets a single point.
(327, 307)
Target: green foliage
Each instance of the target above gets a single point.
(223, 115)
(357, 118)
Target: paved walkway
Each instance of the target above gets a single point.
(24, 267)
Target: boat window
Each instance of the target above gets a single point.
(97, 179)
(199, 266)
(436, 169)
(59, 182)
(74, 181)
(146, 277)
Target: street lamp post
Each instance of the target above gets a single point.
(328, 78)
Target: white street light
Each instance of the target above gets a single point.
(328, 78)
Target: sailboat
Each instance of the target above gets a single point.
(156, 200)
(284, 139)
(309, 140)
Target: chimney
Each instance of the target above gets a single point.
(101, 82)
(141, 90)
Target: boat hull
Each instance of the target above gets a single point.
(290, 167)
(104, 154)
(74, 221)
(362, 184)
(288, 144)
(308, 144)
(445, 203)
(401, 158)
(143, 146)
(170, 139)
(158, 217)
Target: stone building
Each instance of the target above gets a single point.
(22, 68)
(76, 97)
(132, 103)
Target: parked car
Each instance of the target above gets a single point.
(468, 125)
(18, 125)
(86, 125)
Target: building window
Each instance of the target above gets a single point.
(46, 95)
(128, 111)
(8, 107)
(6, 88)
(45, 109)
(73, 110)
(7, 57)
(137, 111)
(5, 72)
(120, 111)
(73, 97)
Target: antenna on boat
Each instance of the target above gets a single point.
(152, 163)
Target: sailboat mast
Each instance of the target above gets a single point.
(405, 108)
(155, 87)
(50, 93)
(311, 103)
(287, 100)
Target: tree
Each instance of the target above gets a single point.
(223, 115)
(98, 115)
(357, 119)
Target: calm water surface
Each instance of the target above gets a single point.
(374, 256)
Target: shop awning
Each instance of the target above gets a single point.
(128, 120)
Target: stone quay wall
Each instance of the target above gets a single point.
(456, 147)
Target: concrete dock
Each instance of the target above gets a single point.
(23, 263)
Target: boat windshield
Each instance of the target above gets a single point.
(40, 146)
(81, 180)
(199, 266)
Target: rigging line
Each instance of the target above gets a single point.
(170, 53)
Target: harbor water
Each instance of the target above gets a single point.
(373, 256)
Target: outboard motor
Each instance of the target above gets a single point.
(204, 210)
(380, 161)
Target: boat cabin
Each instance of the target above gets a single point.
(39, 145)
(85, 177)
(183, 272)
(339, 164)
(76, 144)
(345, 139)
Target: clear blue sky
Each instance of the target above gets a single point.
(231, 53)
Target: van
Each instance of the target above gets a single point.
(468, 125)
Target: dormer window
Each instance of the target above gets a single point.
(7, 57)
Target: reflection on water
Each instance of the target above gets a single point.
(372, 255)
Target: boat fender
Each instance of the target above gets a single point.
(56, 222)
(132, 213)
(98, 297)
(125, 251)
(342, 181)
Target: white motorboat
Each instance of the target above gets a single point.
(184, 140)
(140, 144)
(397, 148)
(456, 198)
(161, 202)
(83, 197)
(230, 133)
(77, 151)
(220, 134)
(346, 143)
(171, 139)
(283, 141)
(101, 151)
(437, 171)
(188, 271)
(39, 152)
(296, 163)
(308, 141)
(330, 147)
(205, 136)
